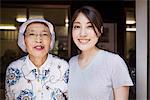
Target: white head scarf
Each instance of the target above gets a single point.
(21, 42)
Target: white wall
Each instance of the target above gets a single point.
(141, 49)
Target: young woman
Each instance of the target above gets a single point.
(39, 75)
(95, 74)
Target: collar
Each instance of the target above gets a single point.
(29, 68)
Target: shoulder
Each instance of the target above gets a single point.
(58, 60)
(17, 63)
(15, 66)
(115, 61)
(73, 58)
(111, 56)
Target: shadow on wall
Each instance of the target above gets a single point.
(8, 57)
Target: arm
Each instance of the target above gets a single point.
(121, 93)
(9, 95)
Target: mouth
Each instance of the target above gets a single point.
(83, 41)
(39, 47)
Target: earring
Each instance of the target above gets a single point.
(102, 28)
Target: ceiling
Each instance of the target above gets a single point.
(56, 15)
(53, 13)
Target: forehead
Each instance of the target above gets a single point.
(82, 18)
(35, 24)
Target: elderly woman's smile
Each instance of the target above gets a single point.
(39, 47)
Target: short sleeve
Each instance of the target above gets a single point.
(120, 74)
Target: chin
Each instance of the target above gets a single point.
(83, 49)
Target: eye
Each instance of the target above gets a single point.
(45, 34)
(76, 26)
(31, 34)
(90, 26)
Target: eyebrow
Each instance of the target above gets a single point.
(79, 22)
(89, 23)
(76, 22)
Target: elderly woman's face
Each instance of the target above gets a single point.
(37, 39)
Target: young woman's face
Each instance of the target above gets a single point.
(83, 33)
(37, 40)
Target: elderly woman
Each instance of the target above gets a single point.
(39, 75)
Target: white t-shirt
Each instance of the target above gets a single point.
(96, 82)
(25, 82)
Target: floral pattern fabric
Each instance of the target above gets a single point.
(26, 82)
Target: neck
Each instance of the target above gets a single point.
(86, 57)
(88, 53)
(37, 61)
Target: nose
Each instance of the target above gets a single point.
(83, 32)
(39, 38)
